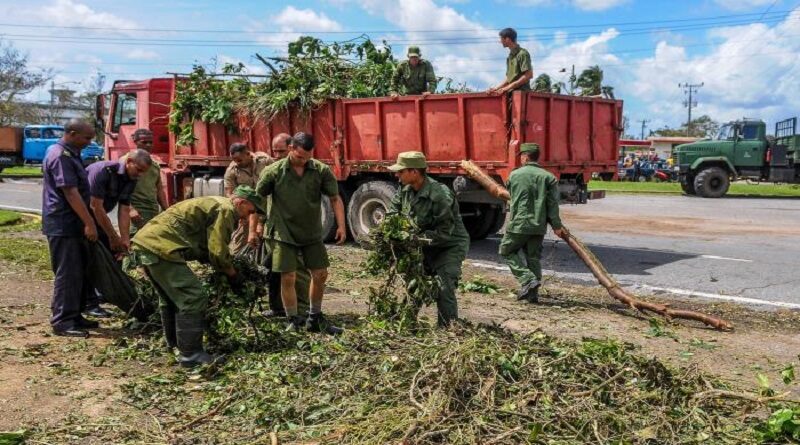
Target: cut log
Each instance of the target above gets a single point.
(596, 267)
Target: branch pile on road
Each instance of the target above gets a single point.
(596, 267)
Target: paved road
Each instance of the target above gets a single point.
(746, 250)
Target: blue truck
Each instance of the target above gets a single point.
(28, 145)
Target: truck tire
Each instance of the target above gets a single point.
(480, 220)
(329, 218)
(368, 206)
(712, 182)
(687, 184)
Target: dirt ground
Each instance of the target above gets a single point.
(44, 379)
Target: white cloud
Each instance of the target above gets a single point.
(586, 5)
(740, 5)
(142, 54)
(293, 19)
(751, 72)
(70, 13)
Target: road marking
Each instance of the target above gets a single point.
(715, 257)
(15, 191)
(20, 209)
(691, 293)
(672, 290)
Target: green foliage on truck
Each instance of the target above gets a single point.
(741, 150)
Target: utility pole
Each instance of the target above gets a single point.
(690, 90)
(644, 123)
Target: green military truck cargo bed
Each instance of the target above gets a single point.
(741, 150)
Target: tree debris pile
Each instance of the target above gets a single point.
(311, 73)
(396, 254)
(466, 385)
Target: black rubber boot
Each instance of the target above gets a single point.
(528, 289)
(190, 328)
(168, 323)
(275, 302)
(318, 323)
(532, 296)
(295, 323)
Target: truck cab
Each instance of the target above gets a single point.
(740, 150)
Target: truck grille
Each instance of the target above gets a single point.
(674, 157)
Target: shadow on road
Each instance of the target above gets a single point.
(559, 257)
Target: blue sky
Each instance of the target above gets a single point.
(745, 51)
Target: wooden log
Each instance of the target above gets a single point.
(605, 279)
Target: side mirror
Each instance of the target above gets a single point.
(100, 112)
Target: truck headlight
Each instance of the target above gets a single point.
(676, 168)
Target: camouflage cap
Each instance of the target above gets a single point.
(247, 192)
(409, 159)
(528, 147)
(413, 51)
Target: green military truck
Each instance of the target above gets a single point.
(741, 150)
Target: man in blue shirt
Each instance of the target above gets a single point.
(68, 225)
(111, 184)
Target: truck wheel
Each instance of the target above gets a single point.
(712, 182)
(480, 219)
(328, 217)
(687, 184)
(368, 206)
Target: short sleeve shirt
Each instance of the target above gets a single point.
(414, 79)
(109, 182)
(236, 176)
(518, 61)
(145, 195)
(296, 214)
(62, 167)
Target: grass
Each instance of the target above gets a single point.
(737, 189)
(8, 218)
(28, 254)
(33, 172)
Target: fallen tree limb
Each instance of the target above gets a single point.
(596, 267)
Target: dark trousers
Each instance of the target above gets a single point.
(69, 257)
(93, 297)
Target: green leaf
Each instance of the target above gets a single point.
(787, 374)
(13, 437)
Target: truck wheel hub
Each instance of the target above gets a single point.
(372, 213)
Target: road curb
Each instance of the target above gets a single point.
(21, 209)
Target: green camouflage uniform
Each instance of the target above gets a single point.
(418, 79)
(434, 210)
(534, 204)
(518, 61)
(197, 229)
(145, 196)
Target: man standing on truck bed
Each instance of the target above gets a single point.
(68, 225)
(111, 184)
(534, 204)
(519, 69)
(414, 76)
(434, 209)
(197, 229)
(294, 227)
(148, 197)
(244, 169)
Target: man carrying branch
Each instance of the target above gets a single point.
(534, 204)
(432, 207)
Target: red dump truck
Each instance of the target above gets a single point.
(358, 138)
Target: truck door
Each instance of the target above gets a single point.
(33, 146)
(123, 124)
(749, 149)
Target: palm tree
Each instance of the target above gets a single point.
(543, 84)
(590, 81)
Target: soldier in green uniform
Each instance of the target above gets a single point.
(149, 196)
(534, 204)
(414, 76)
(519, 69)
(244, 169)
(434, 209)
(294, 226)
(197, 229)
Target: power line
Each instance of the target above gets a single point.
(690, 90)
(426, 31)
(644, 123)
(441, 41)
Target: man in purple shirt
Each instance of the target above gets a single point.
(111, 184)
(68, 225)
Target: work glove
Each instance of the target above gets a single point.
(236, 283)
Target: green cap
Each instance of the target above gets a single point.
(413, 51)
(528, 147)
(409, 159)
(247, 192)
